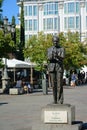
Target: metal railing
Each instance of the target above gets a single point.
(26, 0)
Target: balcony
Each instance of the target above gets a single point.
(26, 0)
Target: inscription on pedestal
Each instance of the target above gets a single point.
(55, 116)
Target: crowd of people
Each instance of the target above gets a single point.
(23, 84)
(76, 79)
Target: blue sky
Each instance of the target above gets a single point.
(10, 9)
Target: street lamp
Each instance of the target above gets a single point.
(7, 28)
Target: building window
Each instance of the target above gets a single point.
(34, 24)
(65, 23)
(86, 22)
(45, 9)
(34, 10)
(44, 24)
(49, 23)
(55, 8)
(26, 39)
(65, 8)
(25, 10)
(51, 8)
(86, 7)
(56, 23)
(30, 36)
(25, 25)
(71, 7)
(77, 22)
(77, 7)
(30, 25)
(71, 23)
(29, 10)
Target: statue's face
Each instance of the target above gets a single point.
(56, 41)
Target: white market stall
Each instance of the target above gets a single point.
(17, 64)
(84, 68)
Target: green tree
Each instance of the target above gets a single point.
(17, 38)
(76, 51)
(22, 31)
(13, 31)
(36, 49)
(1, 2)
(6, 44)
(13, 20)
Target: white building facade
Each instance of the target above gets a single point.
(55, 16)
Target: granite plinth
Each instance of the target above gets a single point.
(57, 127)
(58, 114)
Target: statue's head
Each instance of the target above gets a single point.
(56, 41)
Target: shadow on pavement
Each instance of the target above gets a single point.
(3, 103)
(77, 122)
(84, 125)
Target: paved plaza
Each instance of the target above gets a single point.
(23, 112)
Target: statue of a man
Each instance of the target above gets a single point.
(56, 55)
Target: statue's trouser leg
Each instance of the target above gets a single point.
(54, 86)
(60, 87)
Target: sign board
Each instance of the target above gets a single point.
(55, 116)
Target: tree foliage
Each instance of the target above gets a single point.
(36, 49)
(6, 44)
(22, 38)
(75, 51)
(13, 20)
(17, 38)
(1, 2)
(22, 31)
(14, 27)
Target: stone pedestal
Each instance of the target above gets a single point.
(56, 127)
(59, 116)
(5, 80)
(15, 91)
(1, 91)
(44, 87)
(58, 113)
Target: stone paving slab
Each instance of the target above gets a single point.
(57, 127)
(23, 112)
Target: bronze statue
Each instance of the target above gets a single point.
(55, 67)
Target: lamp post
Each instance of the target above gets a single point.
(7, 28)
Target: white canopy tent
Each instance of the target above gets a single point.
(14, 64)
(84, 69)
